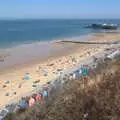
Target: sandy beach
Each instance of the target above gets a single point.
(19, 78)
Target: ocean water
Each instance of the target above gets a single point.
(15, 32)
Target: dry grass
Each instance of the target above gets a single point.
(98, 98)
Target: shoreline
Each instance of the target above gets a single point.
(83, 37)
(31, 52)
(24, 53)
(57, 55)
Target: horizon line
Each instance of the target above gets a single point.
(57, 18)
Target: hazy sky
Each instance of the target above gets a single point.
(59, 9)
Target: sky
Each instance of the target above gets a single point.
(23, 9)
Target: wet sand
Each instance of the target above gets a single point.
(45, 66)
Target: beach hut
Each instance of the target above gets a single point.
(3, 114)
(38, 97)
(83, 70)
(23, 104)
(31, 102)
(77, 74)
(45, 95)
(114, 54)
(74, 76)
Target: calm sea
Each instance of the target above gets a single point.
(14, 32)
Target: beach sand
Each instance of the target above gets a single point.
(20, 77)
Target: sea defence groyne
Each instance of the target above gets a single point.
(88, 42)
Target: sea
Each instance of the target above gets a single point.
(17, 32)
